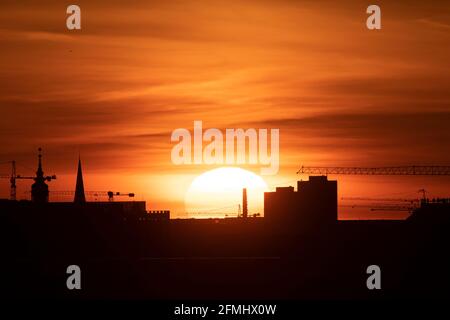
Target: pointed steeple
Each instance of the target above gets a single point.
(40, 172)
(79, 189)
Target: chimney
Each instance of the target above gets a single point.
(244, 203)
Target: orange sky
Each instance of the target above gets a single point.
(114, 91)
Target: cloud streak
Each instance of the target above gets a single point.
(116, 90)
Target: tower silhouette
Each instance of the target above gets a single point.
(39, 189)
(79, 188)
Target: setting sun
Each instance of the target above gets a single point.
(218, 192)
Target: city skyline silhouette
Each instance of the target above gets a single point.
(297, 224)
(242, 150)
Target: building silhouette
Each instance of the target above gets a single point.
(39, 189)
(312, 206)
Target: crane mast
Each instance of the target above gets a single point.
(12, 195)
(14, 176)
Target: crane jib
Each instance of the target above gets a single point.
(400, 170)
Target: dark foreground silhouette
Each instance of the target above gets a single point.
(299, 250)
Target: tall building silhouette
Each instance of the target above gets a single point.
(79, 188)
(39, 189)
(312, 206)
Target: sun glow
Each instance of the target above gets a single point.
(218, 192)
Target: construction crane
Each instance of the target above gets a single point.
(109, 194)
(13, 177)
(378, 207)
(380, 199)
(12, 180)
(401, 170)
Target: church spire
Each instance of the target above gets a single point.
(39, 189)
(40, 172)
(79, 189)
